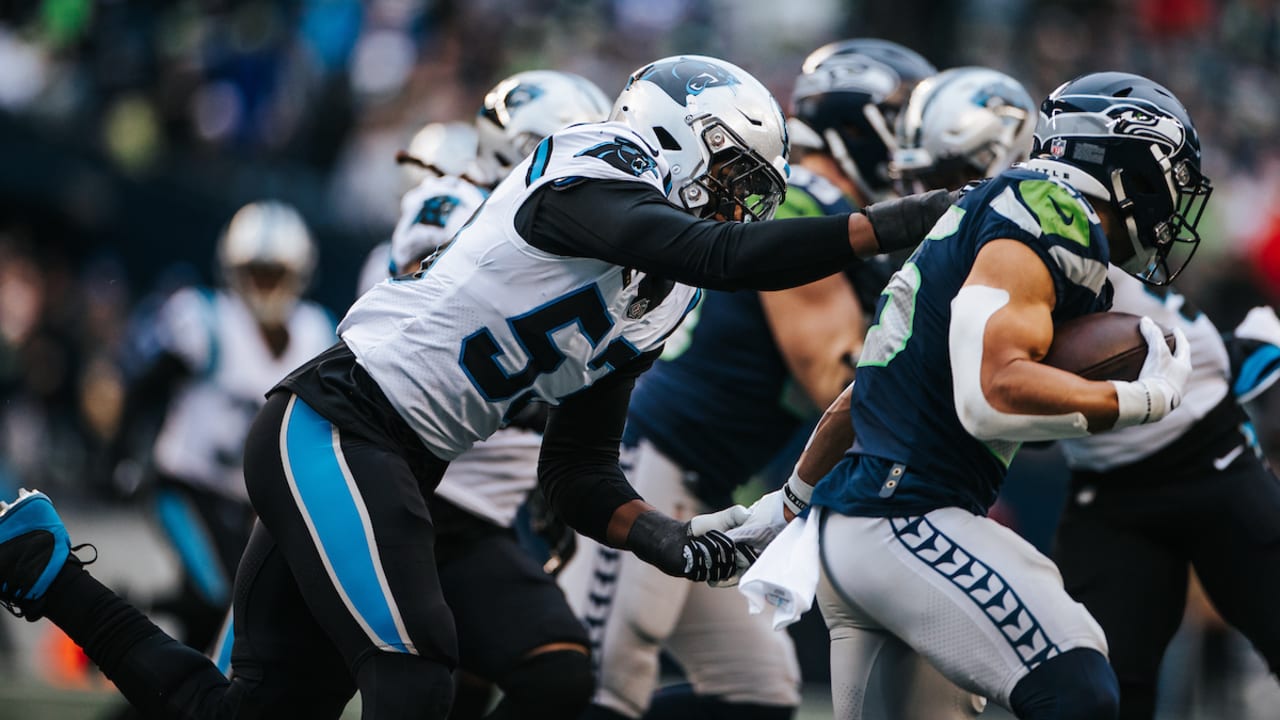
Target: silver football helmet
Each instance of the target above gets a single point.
(266, 256)
(962, 124)
(437, 150)
(525, 108)
(722, 132)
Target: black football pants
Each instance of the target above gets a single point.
(1128, 538)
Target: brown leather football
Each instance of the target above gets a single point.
(1101, 346)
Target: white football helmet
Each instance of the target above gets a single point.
(437, 150)
(959, 125)
(525, 108)
(266, 256)
(723, 134)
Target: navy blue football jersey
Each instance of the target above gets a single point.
(721, 402)
(912, 455)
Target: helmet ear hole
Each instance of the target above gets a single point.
(665, 139)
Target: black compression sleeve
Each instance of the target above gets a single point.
(578, 466)
(633, 225)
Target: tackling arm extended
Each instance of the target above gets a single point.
(579, 474)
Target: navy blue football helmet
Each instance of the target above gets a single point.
(846, 101)
(1125, 140)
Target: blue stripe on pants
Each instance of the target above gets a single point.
(222, 645)
(338, 524)
(188, 533)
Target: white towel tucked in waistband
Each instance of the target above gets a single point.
(785, 577)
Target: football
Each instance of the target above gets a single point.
(1101, 346)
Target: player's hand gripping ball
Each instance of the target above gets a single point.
(1102, 346)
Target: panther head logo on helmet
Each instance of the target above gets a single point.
(720, 130)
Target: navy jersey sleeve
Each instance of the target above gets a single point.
(1057, 223)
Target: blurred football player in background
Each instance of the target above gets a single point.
(436, 165)
(220, 350)
(905, 551)
(1123, 545)
(760, 365)
(844, 107)
(562, 289)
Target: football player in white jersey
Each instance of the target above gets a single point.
(439, 163)
(220, 351)
(561, 289)
(475, 504)
(1150, 501)
(758, 363)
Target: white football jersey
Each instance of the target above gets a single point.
(1208, 385)
(376, 267)
(496, 322)
(430, 215)
(492, 478)
(202, 438)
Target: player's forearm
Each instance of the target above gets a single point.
(1024, 387)
(823, 381)
(586, 495)
(897, 224)
(818, 329)
(830, 440)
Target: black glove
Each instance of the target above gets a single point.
(712, 557)
(902, 223)
(668, 545)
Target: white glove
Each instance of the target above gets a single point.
(724, 520)
(1158, 389)
(764, 524)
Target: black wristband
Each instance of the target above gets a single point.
(659, 540)
(901, 223)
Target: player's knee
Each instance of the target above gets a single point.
(1077, 685)
(558, 683)
(400, 685)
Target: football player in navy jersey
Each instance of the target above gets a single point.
(1123, 546)
(759, 366)
(561, 289)
(949, 384)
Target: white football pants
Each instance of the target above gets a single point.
(949, 589)
(632, 611)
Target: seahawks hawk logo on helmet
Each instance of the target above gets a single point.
(687, 76)
(624, 155)
(1132, 120)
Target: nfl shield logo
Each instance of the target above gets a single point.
(1058, 147)
(637, 308)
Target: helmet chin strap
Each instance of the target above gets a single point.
(838, 151)
(1142, 256)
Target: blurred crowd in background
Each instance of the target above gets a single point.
(131, 131)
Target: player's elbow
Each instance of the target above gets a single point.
(977, 416)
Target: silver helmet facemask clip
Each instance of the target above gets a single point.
(739, 183)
